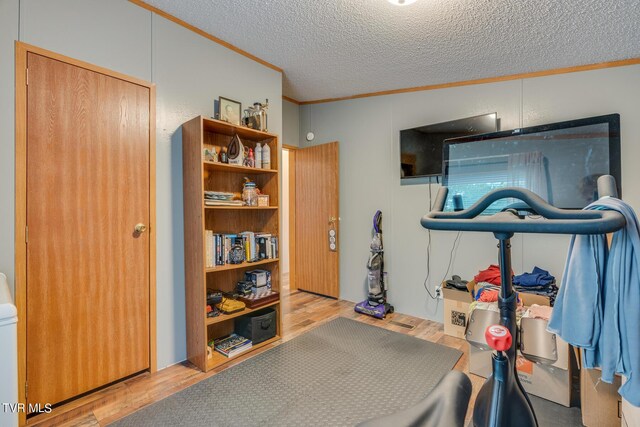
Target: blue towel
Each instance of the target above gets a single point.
(598, 306)
(577, 313)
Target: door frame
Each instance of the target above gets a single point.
(292, 215)
(21, 78)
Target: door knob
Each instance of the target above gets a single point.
(140, 228)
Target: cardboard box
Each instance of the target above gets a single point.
(526, 298)
(551, 382)
(630, 415)
(456, 311)
(529, 299)
(600, 401)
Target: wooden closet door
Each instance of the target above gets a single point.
(88, 144)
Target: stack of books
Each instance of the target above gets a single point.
(232, 345)
(257, 246)
(219, 198)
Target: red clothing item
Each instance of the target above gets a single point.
(490, 275)
(489, 295)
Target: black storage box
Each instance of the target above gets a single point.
(258, 326)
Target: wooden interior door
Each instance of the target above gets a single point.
(88, 186)
(316, 212)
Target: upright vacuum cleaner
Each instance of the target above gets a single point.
(376, 304)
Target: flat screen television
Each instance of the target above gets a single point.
(421, 147)
(559, 161)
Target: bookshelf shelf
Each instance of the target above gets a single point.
(225, 317)
(245, 264)
(218, 359)
(224, 167)
(200, 176)
(243, 208)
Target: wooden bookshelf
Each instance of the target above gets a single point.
(200, 176)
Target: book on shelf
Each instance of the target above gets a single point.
(257, 246)
(209, 202)
(219, 250)
(249, 243)
(274, 246)
(218, 195)
(232, 345)
(209, 249)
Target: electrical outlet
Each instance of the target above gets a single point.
(439, 292)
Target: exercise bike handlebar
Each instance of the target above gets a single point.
(552, 220)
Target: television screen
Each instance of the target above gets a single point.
(560, 162)
(421, 147)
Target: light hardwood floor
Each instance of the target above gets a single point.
(301, 312)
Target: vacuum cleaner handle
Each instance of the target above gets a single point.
(554, 220)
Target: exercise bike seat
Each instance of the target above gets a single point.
(446, 405)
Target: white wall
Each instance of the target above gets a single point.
(8, 33)
(189, 71)
(290, 136)
(368, 132)
(284, 235)
(290, 123)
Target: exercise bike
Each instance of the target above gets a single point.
(502, 400)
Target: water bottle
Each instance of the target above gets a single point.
(258, 156)
(266, 157)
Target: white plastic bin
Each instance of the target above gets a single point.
(8, 355)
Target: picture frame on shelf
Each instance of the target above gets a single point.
(210, 154)
(263, 200)
(230, 111)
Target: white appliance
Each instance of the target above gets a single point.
(8, 355)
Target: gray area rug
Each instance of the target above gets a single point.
(338, 374)
(551, 414)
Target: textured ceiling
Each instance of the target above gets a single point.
(335, 48)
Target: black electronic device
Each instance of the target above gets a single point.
(560, 162)
(213, 297)
(421, 147)
(243, 287)
(261, 244)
